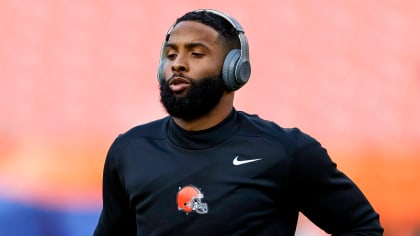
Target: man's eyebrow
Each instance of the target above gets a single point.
(187, 45)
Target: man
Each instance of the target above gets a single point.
(208, 169)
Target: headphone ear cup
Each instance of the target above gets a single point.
(229, 67)
(160, 74)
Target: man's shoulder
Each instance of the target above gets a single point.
(151, 130)
(253, 123)
(257, 123)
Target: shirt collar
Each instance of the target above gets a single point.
(204, 138)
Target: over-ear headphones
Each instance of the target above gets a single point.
(236, 67)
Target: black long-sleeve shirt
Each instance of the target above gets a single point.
(245, 176)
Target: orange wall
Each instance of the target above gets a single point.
(74, 74)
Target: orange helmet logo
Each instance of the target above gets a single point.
(189, 200)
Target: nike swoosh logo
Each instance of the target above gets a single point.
(237, 162)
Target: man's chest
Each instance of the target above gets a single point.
(242, 174)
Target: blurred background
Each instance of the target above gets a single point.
(75, 74)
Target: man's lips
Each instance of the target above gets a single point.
(178, 84)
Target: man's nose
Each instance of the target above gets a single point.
(179, 64)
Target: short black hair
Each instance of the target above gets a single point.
(218, 23)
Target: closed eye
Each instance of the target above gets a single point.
(171, 56)
(197, 54)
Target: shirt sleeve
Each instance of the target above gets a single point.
(116, 216)
(327, 197)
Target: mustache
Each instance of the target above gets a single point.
(178, 76)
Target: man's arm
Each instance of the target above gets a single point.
(116, 217)
(328, 197)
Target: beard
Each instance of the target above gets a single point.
(202, 96)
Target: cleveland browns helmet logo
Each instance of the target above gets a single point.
(189, 200)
